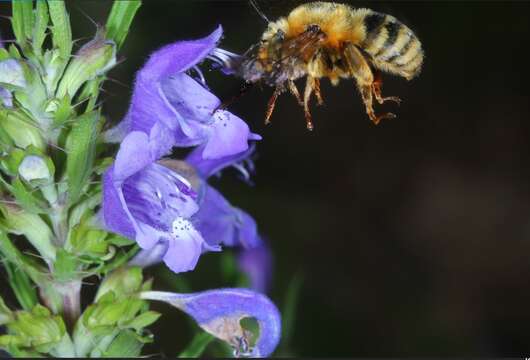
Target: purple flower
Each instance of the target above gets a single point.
(256, 262)
(216, 219)
(219, 312)
(166, 96)
(148, 202)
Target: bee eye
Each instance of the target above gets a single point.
(280, 34)
(313, 28)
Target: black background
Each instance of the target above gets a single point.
(413, 236)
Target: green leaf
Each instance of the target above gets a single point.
(41, 25)
(143, 320)
(197, 345)
(22, 287)
(289, 309)
(61, 31)
(22, 20)
(6, 315)
(80, 149)
(13, 255)
(37, 232)
(65, 266)
(120, 19)
(26, 198)
(125, 345)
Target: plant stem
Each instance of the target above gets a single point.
(71, 302)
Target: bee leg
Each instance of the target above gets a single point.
(317, 92)
(376, 89)
(242, 91)
(366, 93)
(272, 104)
(294, 90)
(309, 86)
(361, 71)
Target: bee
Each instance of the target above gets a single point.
(330, 40)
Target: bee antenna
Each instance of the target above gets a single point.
(260, 13)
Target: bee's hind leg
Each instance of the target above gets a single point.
(376, 89)
(361, 71)
(366, 93)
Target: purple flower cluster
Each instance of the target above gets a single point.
(167, 205)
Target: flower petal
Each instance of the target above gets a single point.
(114, 214)
(219, 312)
(148, 104)
(132, 156)
(229, 135)
(209, 167)
(185, 248)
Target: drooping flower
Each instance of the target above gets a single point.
(148, 202)
(219, 312)
(166, 96)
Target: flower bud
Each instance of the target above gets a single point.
(93, 59)
(122, 281)
(34, 167)
(37, 329)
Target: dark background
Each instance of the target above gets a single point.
(412, 237)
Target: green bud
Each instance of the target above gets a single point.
(123, 281)
(53, 68)
(92, 60)
(21, 129)
(34, 167)
(37, 329)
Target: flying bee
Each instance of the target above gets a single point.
(329, 40)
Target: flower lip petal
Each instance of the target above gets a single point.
(220, 311)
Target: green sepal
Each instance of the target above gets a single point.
(61, 31)
(80, 147)
(120, 19)
(41, 25)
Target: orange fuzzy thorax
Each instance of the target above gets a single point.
(339, 22)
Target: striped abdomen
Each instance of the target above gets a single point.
(392, 45)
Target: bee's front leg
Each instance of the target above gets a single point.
(272, 103)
